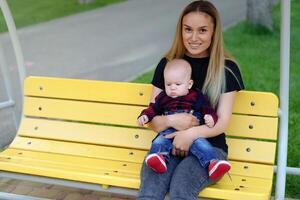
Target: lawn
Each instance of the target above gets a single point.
(28, 12)
(258, 52)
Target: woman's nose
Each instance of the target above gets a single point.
(194, 36)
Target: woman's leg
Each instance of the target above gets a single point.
(190, 178)
(154, 186)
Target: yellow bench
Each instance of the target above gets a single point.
(85, 131)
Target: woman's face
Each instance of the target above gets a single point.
(197, 32)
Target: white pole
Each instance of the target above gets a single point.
(290, 170)
(284, 98)
(6, 104)
(16, 45)
(8, 86)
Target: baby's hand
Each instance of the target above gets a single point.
(209, 121)
(142, 120)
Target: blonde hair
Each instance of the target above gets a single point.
(214, 83)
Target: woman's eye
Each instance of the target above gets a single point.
(202, 30)
(178, 84)
(188, 30)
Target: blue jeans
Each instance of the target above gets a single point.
(184, 179)
(200, 148)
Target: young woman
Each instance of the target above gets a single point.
(199, 41)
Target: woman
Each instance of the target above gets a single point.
(198, 40)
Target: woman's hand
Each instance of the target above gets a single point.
(182, 140)
(182, 121)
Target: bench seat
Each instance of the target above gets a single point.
(85, 131)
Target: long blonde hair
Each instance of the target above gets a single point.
(214, 83)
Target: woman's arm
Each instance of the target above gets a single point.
(179, 121)
(183, 139)
(224, 112)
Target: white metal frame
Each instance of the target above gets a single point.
(281, 167)
(68, 183)
(284, 98)
(8, 88)
(19, 57)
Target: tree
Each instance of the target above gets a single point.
(259, 12)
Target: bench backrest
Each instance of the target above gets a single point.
(97, 119)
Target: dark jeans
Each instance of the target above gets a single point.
(184, 179)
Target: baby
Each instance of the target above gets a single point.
(178, 97)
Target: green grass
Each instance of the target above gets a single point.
(28, 12)
(258, 54)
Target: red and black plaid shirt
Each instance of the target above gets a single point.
(194, 100)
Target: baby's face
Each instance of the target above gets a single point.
(177, 83)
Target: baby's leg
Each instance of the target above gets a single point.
(204, 151)
(160, 152)
(207, 156)
(162, 145)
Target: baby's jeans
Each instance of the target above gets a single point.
(200, 148)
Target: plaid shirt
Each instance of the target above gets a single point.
(194, 100)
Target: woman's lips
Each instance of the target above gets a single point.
(194, 46)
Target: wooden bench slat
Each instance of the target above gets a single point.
(247, 169)
(58, 167)
(79, 149)
(265, 103)
(253, 127)
(74, 161)
(82, 111)
(238, 168)
(251, 150)
(256, 103)
(101, 91)
(96, 177)
(235, 193)
(87, 133)
(244, 181)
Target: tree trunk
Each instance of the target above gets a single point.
(260, 12)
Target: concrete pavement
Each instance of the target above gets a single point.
(117, 43)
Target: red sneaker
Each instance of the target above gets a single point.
(217, 168)
(156, 162)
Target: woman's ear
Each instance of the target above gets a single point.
(191, 82)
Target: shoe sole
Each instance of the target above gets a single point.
(161, 161)
(226, 167)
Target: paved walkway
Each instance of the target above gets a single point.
(118, 43)
(47, 191)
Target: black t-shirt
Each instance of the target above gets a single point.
(234, 82)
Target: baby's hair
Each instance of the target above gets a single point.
(179, 64)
